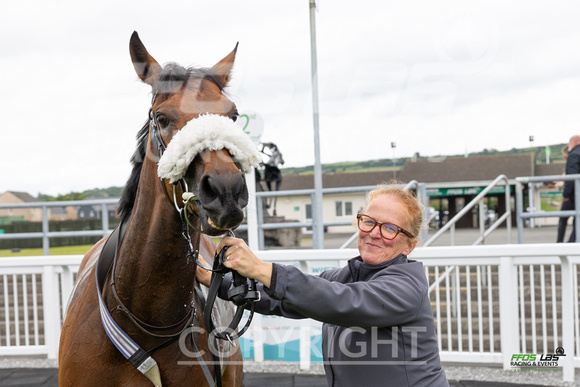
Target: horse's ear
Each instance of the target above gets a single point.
(223, 68)
(145, 65)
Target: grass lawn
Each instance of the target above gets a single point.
(65, 250)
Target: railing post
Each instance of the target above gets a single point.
(519, 211)
(452, 235)
(50, 302)
(258, 337)
(105, 219)
(508, 310)
(45, 241)
(305, 344)
(260, 211)
(251, 212)
(422, 191)
(67, 285)
(531, 201)
(317, 228)
(577, 208)
(508, 221)
(481, 219)
(567, 319)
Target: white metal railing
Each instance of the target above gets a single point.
(46, 234)
(478, 200)
(532, 212)
(478, 310)
(33, 294)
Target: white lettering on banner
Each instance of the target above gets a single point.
(316, 346)
(342, 342)
(375, 341)
(282, 341)
(455, 191)
(414, 331)
(184, 336)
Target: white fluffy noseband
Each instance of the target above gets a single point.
(211, 132)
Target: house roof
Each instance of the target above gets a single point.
(550, 169)
(433, 170)
(334, 180)
(478, 168)
(23, 196)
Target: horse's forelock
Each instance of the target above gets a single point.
(174, 77)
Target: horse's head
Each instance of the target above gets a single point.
(193, 139)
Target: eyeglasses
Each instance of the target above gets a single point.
(388, 230)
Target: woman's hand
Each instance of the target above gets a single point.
(240, 258)
(203, 276)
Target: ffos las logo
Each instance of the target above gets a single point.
(532, 362)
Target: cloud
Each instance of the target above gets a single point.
(436, 78)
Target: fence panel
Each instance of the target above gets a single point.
(489, 302)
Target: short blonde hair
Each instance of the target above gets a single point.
(412, 205)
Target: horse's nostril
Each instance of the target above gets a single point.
(210, 190)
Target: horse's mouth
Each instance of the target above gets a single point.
(214, 226)
(211, 227)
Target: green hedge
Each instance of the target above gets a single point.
(55, 226)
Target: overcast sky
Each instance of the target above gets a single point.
(435, 77)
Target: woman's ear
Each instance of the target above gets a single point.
(410, 247)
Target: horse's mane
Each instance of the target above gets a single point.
(171, 80)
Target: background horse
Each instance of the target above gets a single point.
(272, 173)
(154, 295)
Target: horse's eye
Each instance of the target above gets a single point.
(235, 116)
(162, 120)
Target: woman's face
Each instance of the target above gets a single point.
(373, 248)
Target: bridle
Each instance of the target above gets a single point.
(242, 292)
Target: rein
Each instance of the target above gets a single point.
(241, 292)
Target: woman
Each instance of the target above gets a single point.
(378, 326)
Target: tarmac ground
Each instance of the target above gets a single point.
(48, 377)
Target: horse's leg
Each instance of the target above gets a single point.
(269, 202)
(234, 372)
(275, 198)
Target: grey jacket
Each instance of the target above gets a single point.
(378, 327)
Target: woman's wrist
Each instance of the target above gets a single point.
(264, 274)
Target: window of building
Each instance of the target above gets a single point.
(308, 216)
(308, 211)
(343, 208)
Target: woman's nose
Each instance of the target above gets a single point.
(376, 232)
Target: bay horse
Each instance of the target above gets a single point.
(150, 292)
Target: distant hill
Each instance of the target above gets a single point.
(96, 193)
(342, 167)
(388, 165)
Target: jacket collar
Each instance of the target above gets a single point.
(357, 266)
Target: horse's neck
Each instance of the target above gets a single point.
(153, 276)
